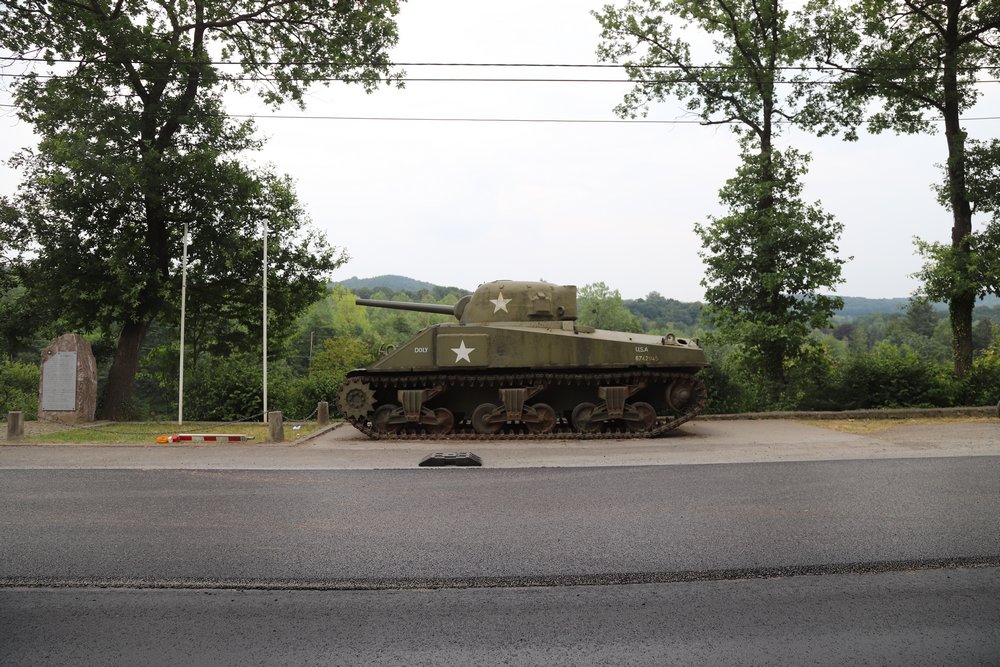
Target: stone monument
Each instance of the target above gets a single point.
(67, 390)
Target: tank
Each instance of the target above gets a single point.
(517, 364)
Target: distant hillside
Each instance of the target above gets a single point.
(391, 283)
(858, 306)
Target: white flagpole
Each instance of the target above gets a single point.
(180, 380)
(265, 321)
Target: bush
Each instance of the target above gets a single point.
(810, 378)
(19, 388)
(893, 376)
(307, 392)
(230, 388)
(734, 387)
(981, 386)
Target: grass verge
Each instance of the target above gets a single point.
(118, 433)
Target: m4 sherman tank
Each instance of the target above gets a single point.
(517, 364)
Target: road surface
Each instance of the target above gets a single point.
(879, 560)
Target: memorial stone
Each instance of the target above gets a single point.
(67, 391)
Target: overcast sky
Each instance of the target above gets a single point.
(460, 203)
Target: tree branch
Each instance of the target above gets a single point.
(239, 18)
(922, 12)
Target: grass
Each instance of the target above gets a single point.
(147, 432)
(866, 426)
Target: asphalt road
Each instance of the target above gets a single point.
(926, 617)
(376, 528)
(891, 561)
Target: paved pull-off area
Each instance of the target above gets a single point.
(740, 542)
(344, 448)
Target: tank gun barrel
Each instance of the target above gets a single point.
(437, 308)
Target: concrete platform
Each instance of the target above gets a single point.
(699, 442)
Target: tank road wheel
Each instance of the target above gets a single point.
(481, 422)
(643, 419)
(380, 420)
(545, 421)
(679, 395)
(582, 418)
(445, 422)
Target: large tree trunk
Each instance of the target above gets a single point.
(121, 377)
(963, 300)
(960, 308)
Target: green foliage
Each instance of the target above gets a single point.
(904, 56)
(662, 315)
(19, 388)
(827, 377)
(134, 143)
(921, 318)
(340, 355)
(766, 265)
(231, 388)
(601, 307)
(756, 43)
(334, 316)
(981, 386)
(903, 64)
(973, 267)
(767, 259)
(892, 376)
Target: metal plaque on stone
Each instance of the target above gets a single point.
(59, 382)
(67, 388)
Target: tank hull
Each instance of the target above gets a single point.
(558, 345)
(527, 379)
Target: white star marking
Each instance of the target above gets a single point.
(500, 303)
(462, 352)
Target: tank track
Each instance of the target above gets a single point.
(563, 431)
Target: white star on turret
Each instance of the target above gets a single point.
(462, 352)
(500, 303)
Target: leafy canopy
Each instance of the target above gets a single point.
(134, 143)
(765, 267)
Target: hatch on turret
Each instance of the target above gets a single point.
(515, 301)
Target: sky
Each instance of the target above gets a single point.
(462, 203)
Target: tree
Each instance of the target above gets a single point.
(601, 307)
(134, 143)
(920, 317)
(765, 266)
(975, 266)
(921, 59)
(762, 275)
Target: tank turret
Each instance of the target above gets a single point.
(500, 301)
(517, 363)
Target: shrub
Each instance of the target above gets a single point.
(19, 388)
(810, 377)
(230, 388)
(981, 386)
(892, 376)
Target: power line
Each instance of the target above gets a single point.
(409, 79)
(786, 68)
(464, 79)
(460, 119)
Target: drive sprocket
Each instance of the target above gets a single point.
(355, 399)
